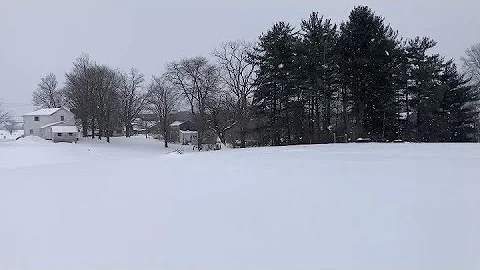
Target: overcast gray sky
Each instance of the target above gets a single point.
(38, 37)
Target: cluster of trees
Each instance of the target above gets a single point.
(358, 80)
(217, 94)
(102, 98)
(318, 84)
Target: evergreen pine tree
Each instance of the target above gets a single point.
(423, 89)
(276, 96)
(319, 37)
(457, 107)
(440, 98)
(368, 64)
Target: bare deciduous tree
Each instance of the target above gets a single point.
(106, 86)
(47, 95)
(197, 80)
(10, 125)
(221, 114)
(79, 92)
(163, 101)
(237, 74)
(133, 100)
(471, 63)
(4, 115)
(92, 93)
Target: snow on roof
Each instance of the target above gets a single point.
(176, 123)
(51, 124)
(188, 131)
(64, 129)
(403, 115)
(48, 111)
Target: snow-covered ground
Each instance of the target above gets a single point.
(5, 136)
(34, 151)
(135, 205)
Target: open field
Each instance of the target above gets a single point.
(135, 205)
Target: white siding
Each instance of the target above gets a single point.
(29, 122)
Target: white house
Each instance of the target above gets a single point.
(57, 124)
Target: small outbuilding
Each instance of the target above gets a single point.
(178, 126)
(188, 137)
(64, 133)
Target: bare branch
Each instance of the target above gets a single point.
(47, 95)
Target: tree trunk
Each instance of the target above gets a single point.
(242, 137)
(384, 126)
(317, 124)
(221, 135)
(108, 133)
(311, 120)
(127, 130)
(108, 126)
(100, 129)
(345, 113)
(165, 137)
(407, 123)
(84, 128)
(327, 111)
(93, 128)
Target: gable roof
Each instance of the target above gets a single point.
(51, 124)
(177, 123)
(181, 116)
(48, 111)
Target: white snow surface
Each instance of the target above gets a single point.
(47, 111)
(135, 205)
(176, 123)
(65, 129)
(51, 124)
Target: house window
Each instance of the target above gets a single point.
(59, 134)
(62, 118)
(70, 134)
(36, 119)
(31, 131)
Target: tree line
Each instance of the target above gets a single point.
(324, 83)
(216, 93)
(320, 83)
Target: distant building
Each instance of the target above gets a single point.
(144, 125)
(188, 137)
(57, 124)
(64, 133)
(178, 126)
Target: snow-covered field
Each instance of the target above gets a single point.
(135, 205)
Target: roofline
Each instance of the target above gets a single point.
(52, 124)
(29, 114)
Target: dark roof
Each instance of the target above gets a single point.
(147, 116)
(181, 116)
(177, 116)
